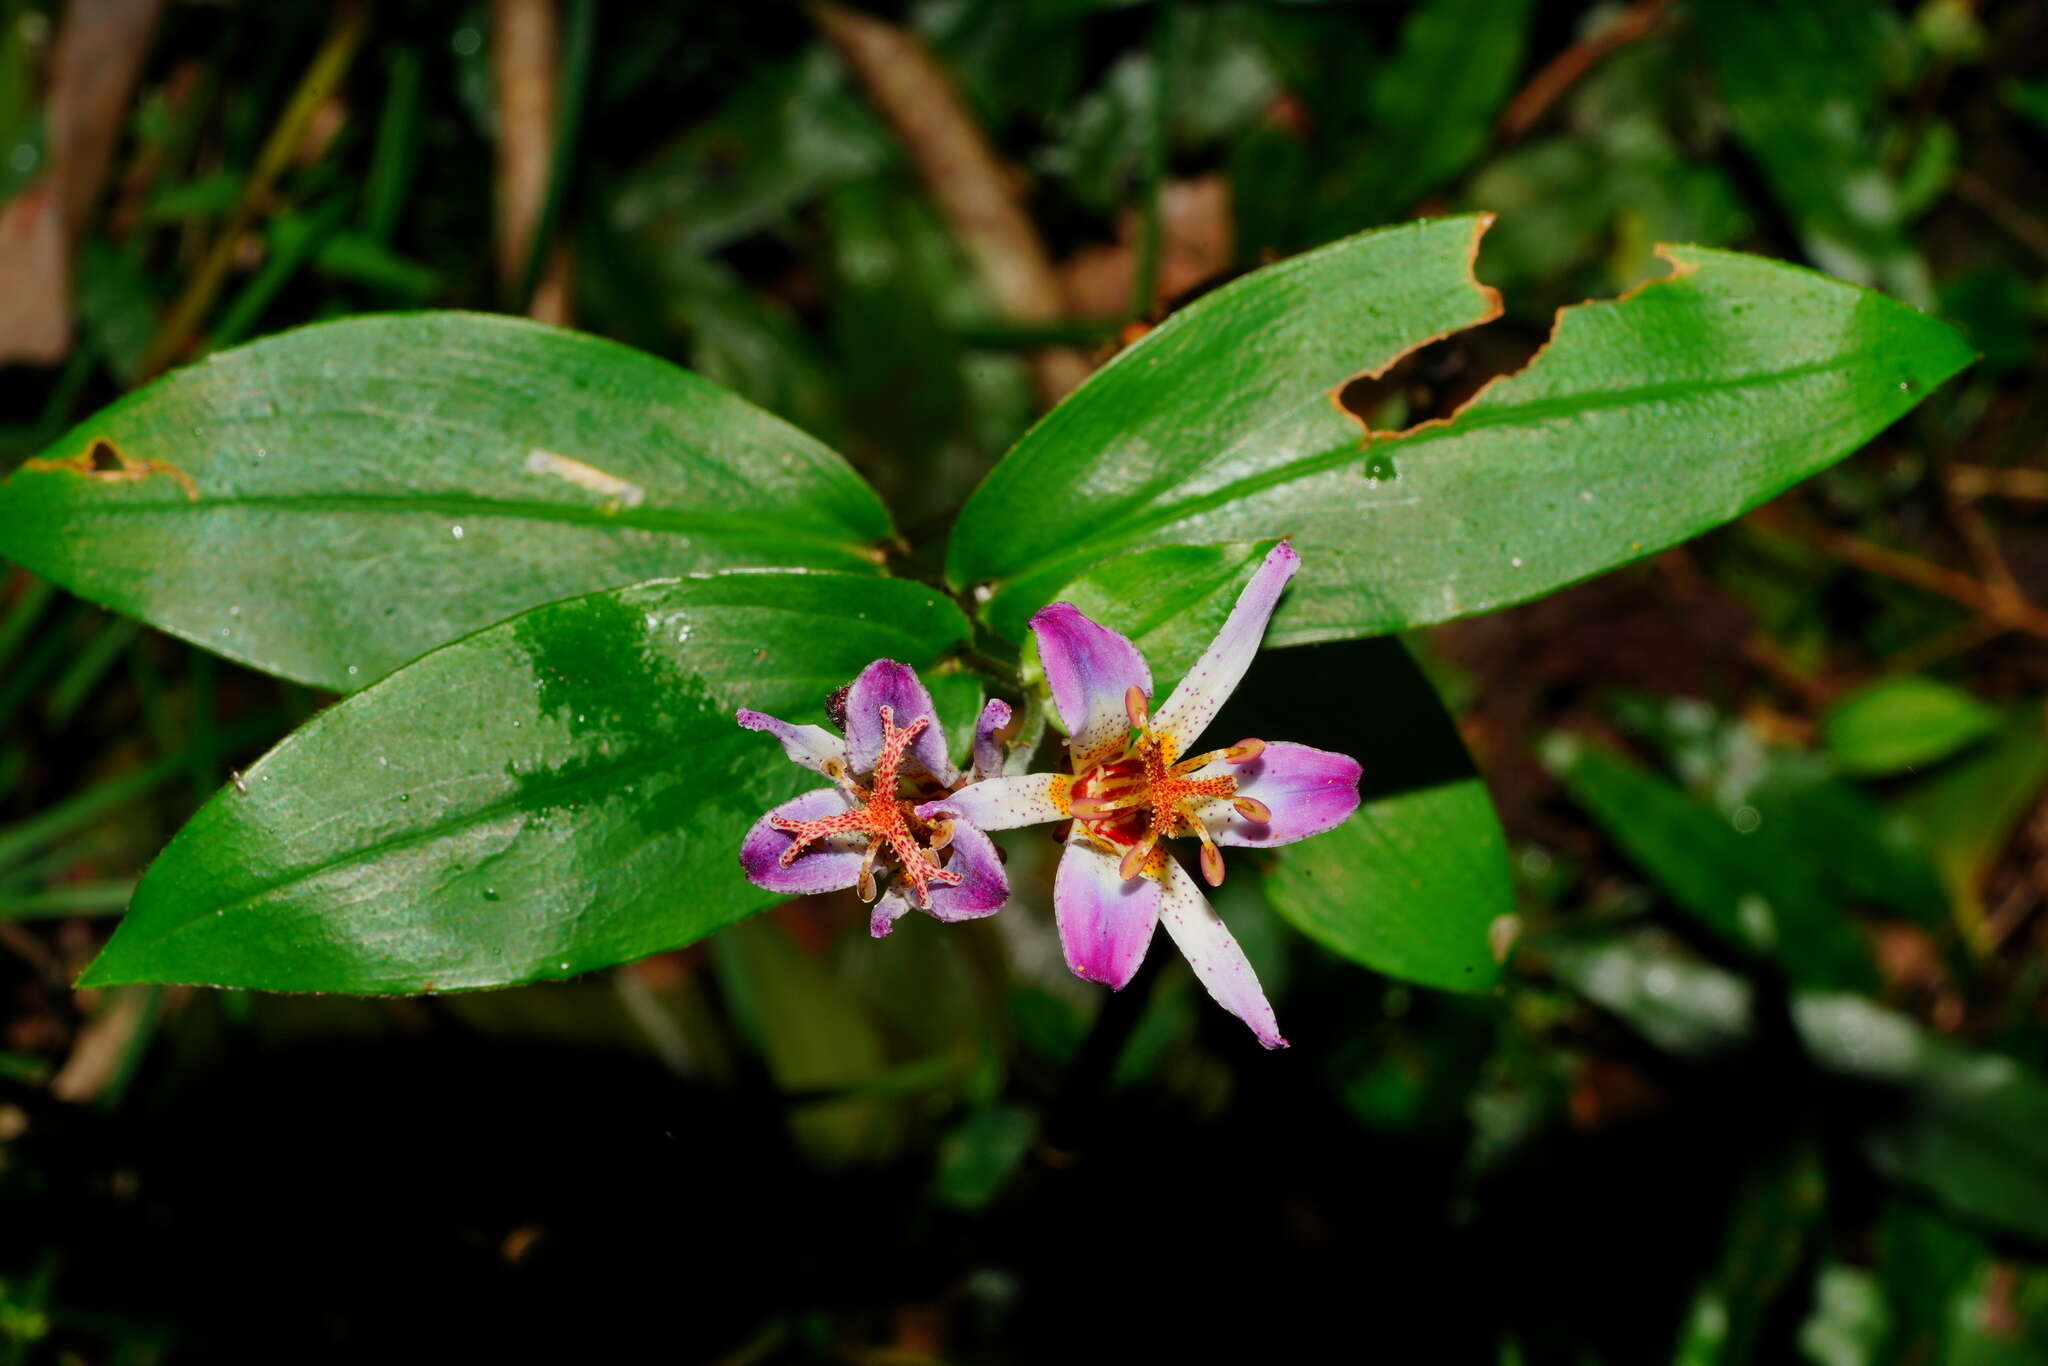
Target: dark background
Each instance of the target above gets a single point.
(1001, 1164)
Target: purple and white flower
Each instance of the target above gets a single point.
(1129, 788)
(865, 826)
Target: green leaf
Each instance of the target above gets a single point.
(1974, 1129)
(1775, 1216)
(815, 1037)
(1800, 809)
(979, 1154)
(2029, 98)
(1925, 1259)
(787, 135)
(1646, 420)
(1433, 105)
(330, 503)
(1170, 601)
(1970, 808)
(1764, 897)
(1966, 1126)
(559, 792)
(1862, 851)
(1901, 723)
(959, 699)
(1802, 85)
(1679, 1004)
(1414, 883)
(1849, 1319)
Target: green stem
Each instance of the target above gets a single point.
(75, 898)
(1157, 134)
(329, 65)
(391, 164)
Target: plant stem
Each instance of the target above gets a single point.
(329, 65)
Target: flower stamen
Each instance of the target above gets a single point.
(1129, 803)
(1133, 862)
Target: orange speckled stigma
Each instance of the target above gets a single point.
(882, 817)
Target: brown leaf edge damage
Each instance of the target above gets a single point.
(1494, 307)
(1663, 251)
(103, 460)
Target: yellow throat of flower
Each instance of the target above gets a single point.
(1129, 802)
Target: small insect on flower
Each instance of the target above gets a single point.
(1129, 789)
(864, 828)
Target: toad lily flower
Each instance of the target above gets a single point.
(892, 756)
(1129, 789)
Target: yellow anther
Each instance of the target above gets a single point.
(1135, 857)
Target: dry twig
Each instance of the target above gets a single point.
(2001, 209)
(2009, 612)
(1978, 481)
(525, 66)
(1570, 66)
(97, 58)
(961, 171)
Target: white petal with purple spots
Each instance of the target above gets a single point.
(1212, 951)
(1006, 803)
(1194, 704)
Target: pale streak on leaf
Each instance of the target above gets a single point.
(622, 491)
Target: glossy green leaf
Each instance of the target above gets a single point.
(1901, 723)
(1646, 420)
(959, 698)
(330, 503)
(1676, 1002)
(1768, 898)
(1925, 1258)
(2029, 98)
(1170, 601)
(559, 792)
(1413, 885)
(1849, 1319)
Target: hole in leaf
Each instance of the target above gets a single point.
(104, 459)
(1435, 380)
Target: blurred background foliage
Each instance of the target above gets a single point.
(1766, 1081)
